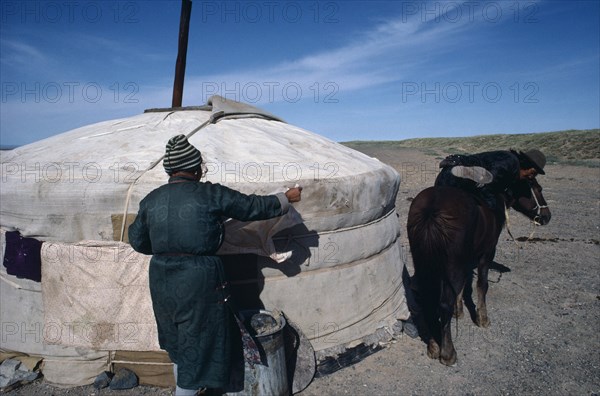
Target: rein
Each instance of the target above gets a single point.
(507, 224)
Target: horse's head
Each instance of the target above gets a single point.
(527, 198)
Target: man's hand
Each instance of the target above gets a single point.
(294, 194)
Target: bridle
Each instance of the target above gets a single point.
(538, 208)
(536, 219)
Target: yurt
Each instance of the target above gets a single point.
(74, 295)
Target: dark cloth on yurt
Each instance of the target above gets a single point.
(22, 256)
(503, 165)
(181, 225)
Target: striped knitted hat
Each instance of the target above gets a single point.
(180, 155)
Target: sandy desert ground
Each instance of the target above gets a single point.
(544, 337)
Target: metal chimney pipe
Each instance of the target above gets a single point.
(184, 28)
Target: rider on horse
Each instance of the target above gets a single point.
(490, 173)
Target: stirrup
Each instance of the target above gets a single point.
(476, 173)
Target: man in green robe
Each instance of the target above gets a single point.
(181, 225)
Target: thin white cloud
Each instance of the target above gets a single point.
(564, 68)
(54, 55)
(386, 53)
(121, 51)
(18, 54)
(390, 51)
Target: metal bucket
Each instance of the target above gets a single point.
(269, 378)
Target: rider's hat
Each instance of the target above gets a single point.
(536, 159)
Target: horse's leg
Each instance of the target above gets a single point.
(468, 295)
(427, 296)
(464, 296)
(447, 302)
(432, 323)
(433, 348)
(482, 288)
(458, 309)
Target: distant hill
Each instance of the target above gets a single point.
(577, 147)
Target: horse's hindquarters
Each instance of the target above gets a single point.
(441, 225)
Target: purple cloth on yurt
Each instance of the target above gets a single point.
(22, 256)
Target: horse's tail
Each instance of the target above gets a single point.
(432, 231)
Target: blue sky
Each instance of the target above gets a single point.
(348, 70)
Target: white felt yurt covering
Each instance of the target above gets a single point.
(337, 273)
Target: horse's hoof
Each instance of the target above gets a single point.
(451, 361)
(483, 322)
(433, 350)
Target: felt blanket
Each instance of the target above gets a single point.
(96, 294)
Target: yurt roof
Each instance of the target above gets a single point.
(109, 166)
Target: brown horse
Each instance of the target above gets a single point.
(451, 232)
